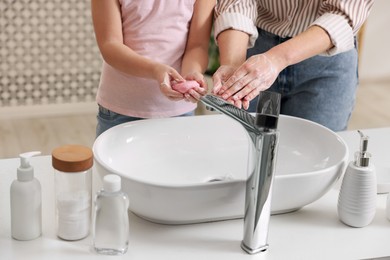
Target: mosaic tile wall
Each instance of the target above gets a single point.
(48, 53)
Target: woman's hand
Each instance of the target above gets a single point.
(256, 74)
(222, 74)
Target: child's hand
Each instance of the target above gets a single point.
(196, 92)
(165, 74)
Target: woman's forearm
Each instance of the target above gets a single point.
(232, 46)
(311, 42)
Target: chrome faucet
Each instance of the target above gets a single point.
(262, 130)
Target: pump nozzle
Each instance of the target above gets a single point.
(25, 158)
(362, 157)
(25, 172)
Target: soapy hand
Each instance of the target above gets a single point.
(256, 74)
(223, 73)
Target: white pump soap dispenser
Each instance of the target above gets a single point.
(357, 199)
(26, 201)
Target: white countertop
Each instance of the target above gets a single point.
(313, 232)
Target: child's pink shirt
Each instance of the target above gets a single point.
(157, 29)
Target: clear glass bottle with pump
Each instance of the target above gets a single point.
(110, 218)
(73, 190)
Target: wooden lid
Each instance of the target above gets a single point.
(72, 158)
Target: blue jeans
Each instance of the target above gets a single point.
(321, 89)
(107, 119)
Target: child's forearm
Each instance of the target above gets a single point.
(126, 60)
(194, 60)
(109, 37)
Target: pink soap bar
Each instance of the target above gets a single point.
(184, 86)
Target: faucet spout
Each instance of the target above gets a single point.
(258, 193)
(263, 134)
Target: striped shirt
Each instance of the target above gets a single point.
(341, 19)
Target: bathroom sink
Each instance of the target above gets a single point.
(193, 169)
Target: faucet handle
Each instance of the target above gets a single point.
(242, 116)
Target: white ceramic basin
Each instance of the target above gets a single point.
(193, 169)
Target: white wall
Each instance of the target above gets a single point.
(375, 57)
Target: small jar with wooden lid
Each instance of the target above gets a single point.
(73, 190)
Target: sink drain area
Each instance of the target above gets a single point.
(219, 178)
